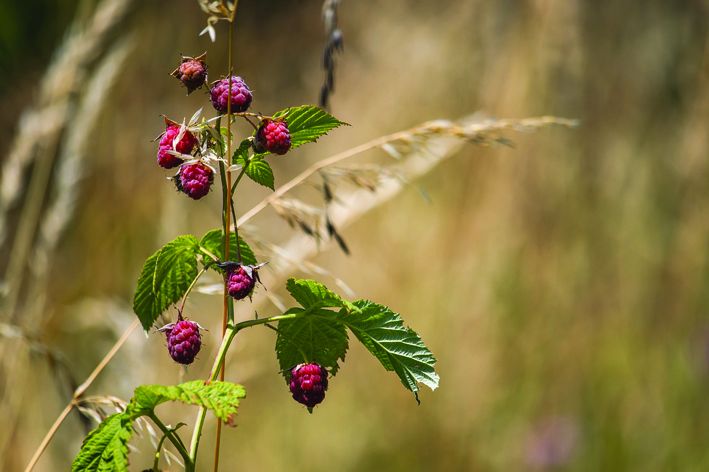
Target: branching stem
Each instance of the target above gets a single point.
(175, 440)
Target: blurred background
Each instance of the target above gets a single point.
(562, 283)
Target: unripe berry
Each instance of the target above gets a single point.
(308, 383)
(240, 95)
(183, 341)
(184, 146)
(192, 72)
(194, 180)
(272, 136)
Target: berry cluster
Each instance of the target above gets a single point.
(180, 146)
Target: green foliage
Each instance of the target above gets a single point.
(307, 123)
(222, 398)
(316, 336)
(213, 242)
(242, 153)
(260, 172)
(105, 449)
(310, 293)
(165, 278)
(397, 347)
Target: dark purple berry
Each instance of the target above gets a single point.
(192, 72)
(240, 95)
(273, 136)
(183, 146)
(308, 383)
(194, 180)
(240, 281)
(183, 341)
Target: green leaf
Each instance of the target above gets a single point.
(260, 172)
(307, 123)
(165, 278)
(310, 293)
(222, 398)
(397, 347)
(241, 153)
(317, 336)
(105, 449)
(213, 242)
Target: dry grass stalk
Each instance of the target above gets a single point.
(47, 133)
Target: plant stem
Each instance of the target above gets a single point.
(226, 189)
(189, 289)
(219, 362)
(233, 210)
(174, 439)
(156, 462)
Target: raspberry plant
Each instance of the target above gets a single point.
(312, 338)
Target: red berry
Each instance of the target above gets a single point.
(192, 72)
(308, 383)
(240, 95)
(184, 146)
(240, 281)
(183, 341)
(194, 180)
(273, 136)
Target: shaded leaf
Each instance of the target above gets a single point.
(213, 242)
(241, 153)
(317, 336)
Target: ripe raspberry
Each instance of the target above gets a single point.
(194, 180)
(192, 72)
(240, 95)
(183, 146)
(240, 281)
(308, 383)
(272, 136)
(183, 341)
